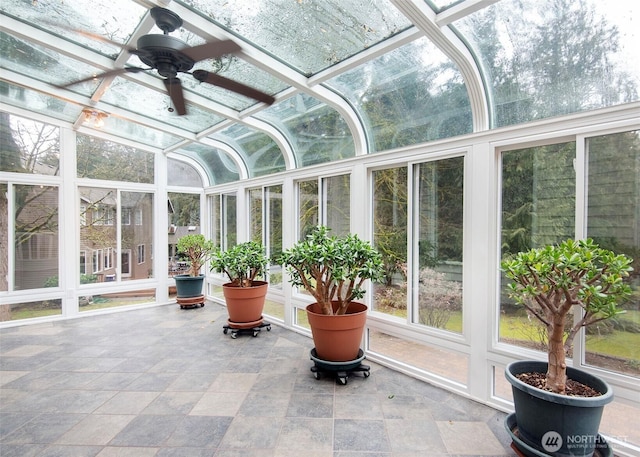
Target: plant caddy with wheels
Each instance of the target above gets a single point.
(244, 294)
(333, 270)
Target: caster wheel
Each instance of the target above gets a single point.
(366, 374)
(342, 381)
(316, 375)
(255, 333)
(268, 328)
(201, 305)
(225, 331)
(234, 335)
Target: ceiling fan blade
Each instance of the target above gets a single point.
(106, 74)
(93, 36)
(211, 50)
(174, 88)
(226, 83)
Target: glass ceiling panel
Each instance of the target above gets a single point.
(183, 174)
(260, 153)
(318, 133)
(45, 64)
(115, 19)
(410, 95)
(555, 57)
(153, 104)
(38, 102)
(309, 36)
(219, 166)
(140, 133)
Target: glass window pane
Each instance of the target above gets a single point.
(38, 102)
(538, 208)
(300, 26)
(98, 235)
(218, 165)
(317, 132)
(28, 146)
(115, 19)
(36, 237)
(259, 151)
(614, 223)
(255, 215)
(113, 300)
(215, 212)
(45, 64)
(336, 201)
(548, 58)
(440, 223)
(274, 244)
(4, 230)
(390, 238)
(184, 218)
(29, 310)
(307, 207)
(229, 221)
(157, 105)
(410, 95)
(431, 359)
(137, 236)
(103, 159)
(182, 174)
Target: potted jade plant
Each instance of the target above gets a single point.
(333, 270)
(197, 250)
(566, 287)
(244, 294)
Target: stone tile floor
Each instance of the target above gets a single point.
(168, 382)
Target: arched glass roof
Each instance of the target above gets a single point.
(349, 77)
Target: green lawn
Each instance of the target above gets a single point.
(29, 313)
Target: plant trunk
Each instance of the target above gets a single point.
(557, 369)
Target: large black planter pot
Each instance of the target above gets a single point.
(188, 286)
(557, 425)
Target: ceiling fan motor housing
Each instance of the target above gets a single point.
(164, 53)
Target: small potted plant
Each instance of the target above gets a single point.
(244, 294)
(197, 250)
(553, 283)
(333, 270)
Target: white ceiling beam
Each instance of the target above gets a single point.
(461, 10)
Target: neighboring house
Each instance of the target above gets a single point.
(98, 235)
(176, 266)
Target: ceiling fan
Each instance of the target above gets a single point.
(169, 56)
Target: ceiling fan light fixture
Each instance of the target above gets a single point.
(94, 117)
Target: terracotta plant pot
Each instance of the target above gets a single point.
(337, 338)
(245, 304)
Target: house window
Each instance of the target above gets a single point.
(126, 216)
(141, 254)
(96, 260)
(83, 262)
(108, 258)
(138, 217)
